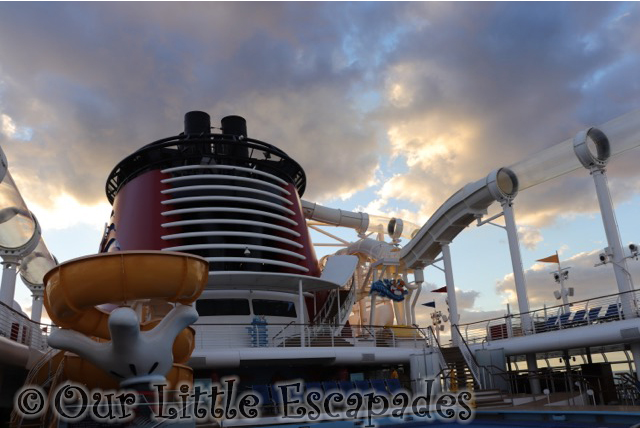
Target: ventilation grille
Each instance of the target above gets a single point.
(238, 218)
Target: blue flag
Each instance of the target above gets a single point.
(430, 304)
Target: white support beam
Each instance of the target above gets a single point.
(8, 285)
(516, 263)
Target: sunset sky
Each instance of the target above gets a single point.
(389, 108)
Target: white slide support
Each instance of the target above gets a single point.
(458, 212)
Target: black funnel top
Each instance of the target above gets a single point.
(234, 125)
(197, 123)
(197, 145)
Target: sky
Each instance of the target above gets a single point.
(389, 108)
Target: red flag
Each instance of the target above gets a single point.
(550, 259)
(440, 290)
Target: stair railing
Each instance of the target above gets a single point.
(345, 307)
(478, 372)
(445, 372)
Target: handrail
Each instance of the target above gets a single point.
(278, 333)
(550, 308)
(21, 315)
(510, 325)
(21, 329)
(470, 359)
(438, 348)
(345, 307)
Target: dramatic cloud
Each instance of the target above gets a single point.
(452, 90)
(403, 103)
(468, 95)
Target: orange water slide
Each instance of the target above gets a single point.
(75, 289)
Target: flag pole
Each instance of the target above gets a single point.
(563, 291)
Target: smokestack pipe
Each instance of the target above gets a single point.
(197, 123)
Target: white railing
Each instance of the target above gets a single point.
(344, 308)
(584, 312)
(17, 327)
(478, 372)
(230, 336)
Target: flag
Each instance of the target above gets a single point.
(550, 259)
(440, 290)
(430, 304)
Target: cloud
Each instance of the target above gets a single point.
(500, 92)
(447, 91)
(529, 237)
(466, 300)
(589, 281)
(101, 81)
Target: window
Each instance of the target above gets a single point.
(218, 307)
(275, 308)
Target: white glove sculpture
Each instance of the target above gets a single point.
(132, 356)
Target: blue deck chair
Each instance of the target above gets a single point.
(564, 319)
(379, 386)
(551, 322)
(276, 396)
(362, 385)
(330, 385)
(612, 312)
(593, 314)
(578, 318)
(394, 385)
(263, 392)
(346, 386)
(313, 385)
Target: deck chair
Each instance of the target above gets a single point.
(394, 385)
(612, 313)
(330, 385)
(313, 385)
(578, 318)
(346, 386)
(265, 397)
(363, 385)
(593, 314)
(551, 323)
(564, 319)
(378, 385)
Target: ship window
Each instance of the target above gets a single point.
(216, 307)
(274, 308)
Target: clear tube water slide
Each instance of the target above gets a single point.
(16, 222)
(20, 237)
(622, 132)
(36, 264)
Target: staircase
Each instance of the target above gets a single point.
(459, 372)
(491, 398)
(333, 309)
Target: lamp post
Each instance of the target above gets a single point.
(560, 276)
(437, 319)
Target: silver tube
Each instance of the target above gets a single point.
(623, 134)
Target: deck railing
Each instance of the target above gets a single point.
(18, 328)
(584, 312)
(288, 336)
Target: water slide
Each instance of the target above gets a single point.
(75, 295)
(443, 226)
(472, 200)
